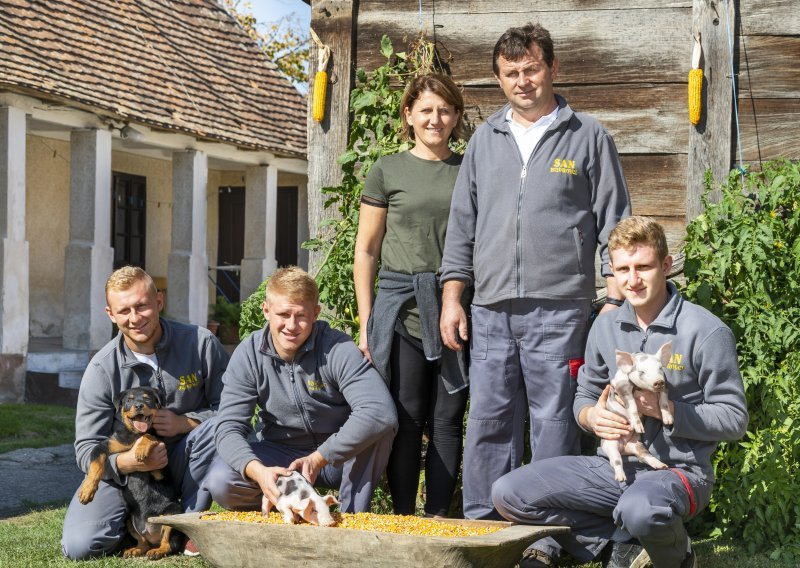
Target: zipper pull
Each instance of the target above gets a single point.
(524, 171)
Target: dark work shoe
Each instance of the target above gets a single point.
(627, 555)
(533, 558)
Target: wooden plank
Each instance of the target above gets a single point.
(656, 183)
(710, 140)
(642, 118)
(512, 6)
(675, 231)
(600, 46)
(768, 66)
(769, 17)
(333, 21)
(770, 129)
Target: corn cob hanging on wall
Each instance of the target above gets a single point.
(696, 83)
(320, 79)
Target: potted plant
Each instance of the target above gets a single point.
(227, 314)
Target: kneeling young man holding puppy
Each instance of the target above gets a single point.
(706, 404)
(323, 409)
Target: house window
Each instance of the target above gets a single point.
(128, 216)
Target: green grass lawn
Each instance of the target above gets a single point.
(33, 540)
(35, 426)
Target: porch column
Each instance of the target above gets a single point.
(187, 271)
(89, 258)
(13, 256)
(260, 205)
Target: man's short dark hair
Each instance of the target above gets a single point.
(513, 45)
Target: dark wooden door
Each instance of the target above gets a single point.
(230, 249)
(128, 219)
(286, 227)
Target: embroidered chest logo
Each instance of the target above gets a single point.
(315, 385)
(186, 382)
(676, 362)
(564, 166)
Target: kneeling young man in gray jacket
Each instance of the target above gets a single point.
(323, 409)
(706, 399)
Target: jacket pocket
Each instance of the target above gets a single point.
(578, 236)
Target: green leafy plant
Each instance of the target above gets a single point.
(226, 312)
(375, 132)
(252, 317)
(743, 264)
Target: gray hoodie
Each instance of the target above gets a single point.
(329, 398)
(703, 378)
(191, 362)
(531, 230)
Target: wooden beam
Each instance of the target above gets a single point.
(710, 140)
(334, 22)
(594, 46)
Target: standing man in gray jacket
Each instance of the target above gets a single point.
(184, 363)
(706, 401)
(322, 408)
(539, 190)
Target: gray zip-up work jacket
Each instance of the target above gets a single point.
(703, 378)
(532, 230)
(191, 362)
(329, 399)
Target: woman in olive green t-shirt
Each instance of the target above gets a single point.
(403, 219)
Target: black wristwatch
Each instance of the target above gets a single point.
(614, 301)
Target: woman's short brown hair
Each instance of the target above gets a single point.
(294, 283)
(440, 85)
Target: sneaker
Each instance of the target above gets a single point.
(691, 559)
(627, 555)
(190, 549)
(533, 558)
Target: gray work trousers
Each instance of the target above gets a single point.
(580, 492)
(356, 480)
(521, 355)
(97, 528)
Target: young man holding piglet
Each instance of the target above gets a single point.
(706, 405)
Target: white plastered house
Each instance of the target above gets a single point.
(147, 132)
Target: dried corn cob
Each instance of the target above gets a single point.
(695, 95)
(318, 98)
(696, 83)
(320, 79)
(398, 524)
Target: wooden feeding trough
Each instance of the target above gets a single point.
(237, 544)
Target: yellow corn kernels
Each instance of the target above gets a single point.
(695, 95)
(318, 100)
(398, 524)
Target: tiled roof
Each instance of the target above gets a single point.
(179, 65)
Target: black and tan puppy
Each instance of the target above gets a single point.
(147, 494)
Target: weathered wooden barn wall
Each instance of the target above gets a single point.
(623, 61)
(769, 79)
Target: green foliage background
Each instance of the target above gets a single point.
(743, 264)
